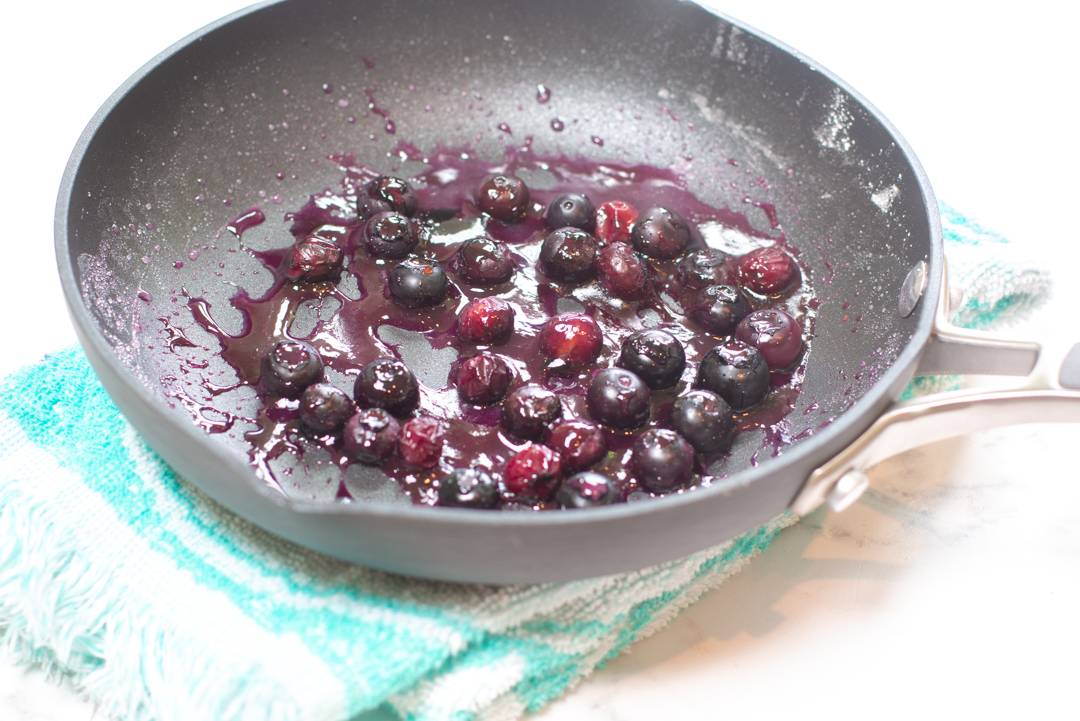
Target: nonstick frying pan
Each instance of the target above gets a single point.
(662, 82)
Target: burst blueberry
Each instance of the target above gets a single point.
(488, 321)
(484, 261)
(312, 259)
(371, 436)
(421, 442)
(395, 192)
(579, 443)
(624, 273)
(483, 379)
(533, 472)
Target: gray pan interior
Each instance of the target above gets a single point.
(220, 114)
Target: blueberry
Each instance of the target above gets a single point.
(324, 409)
(586, 490)
(487, 321)
(421, 442)
(571, 209)
(290, 367)
(387, 384)
(656, 356)
(736, 372)
(703, 268)
(660, 233)
(573, 338)
(625, 274)
(579, 443)
(774, 333)
(719, 308)
(483, 261)
(483, 379)
(569, 255)
(768, 271)
(704, 419)
(618, 398)
(371, 436)
(389, 235)
(418, 283)
(469, 488)
(395, 192)
(503, 197)
(312, 259)
(529, 410)
(366, 207)
(662, 460)
(533, 472)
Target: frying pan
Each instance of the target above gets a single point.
(210, 121)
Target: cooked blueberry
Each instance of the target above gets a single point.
(503, 197)
(398, 194)
(774, 333)
(483, 261)
(736, 372)
(387, 384)
(389, 235)
(418, 283)
(662, 460)
(371, 436)
(533, 472)
(312, 259)
(324, 409)
(768, 271)
(573, 338)
(578, 443)
(614, 221)
(469, 488)
(290, 367)
(703, 268)
(719, 308)
(571, 209)
(660, 233)
(487, 321)
(366, 207)
(704, 419)
(623, 272)
(483, 379)
(656, 356)
(618, 398)
(421, 442)
(569, 255)
(529, 410)
(586, 490)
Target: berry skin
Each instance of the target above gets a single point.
(312, 259)
(418, 283)
(768, 271)
(656, 356)
(662, 460)
(483, 261)
(371, 436)
(387, 384)
(614, 221)
(624, 273)
(533, 472)
(586, 490)
(578, 443)
(571, 209)
(774, 333)
(719, 308)
(324, 409)
(529, 410)
(395, 192)
(367, 207)
(290, 367)
(483, 379)
(736, 372)
(503, 197)
(704, 419)
(469, 488)
(660, 233)
(707, 267)
(574, 338)
(421, 441)
(389, 235)
(568, 255)
(618, 398)
(486, 321)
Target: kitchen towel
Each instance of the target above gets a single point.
(160, 604)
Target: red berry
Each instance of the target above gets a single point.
(768, 271)
(312, 259)
(625, 274)
(503, 197)
(483, 379)
(579, 443)
(614, 221)
(486, 321)
(774, 333)
(421, 442)
(533, 472)
(572, 337)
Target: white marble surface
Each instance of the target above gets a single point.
(952, 586)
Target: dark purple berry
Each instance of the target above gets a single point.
(573, 338)
(395, 192)
(418, 283)
(483, 261)
(371, 436)
(662, 460)
(290, 367)
(656, 356)
(487, 321)
(389, 235)
(529, 410)
(618, 398)
(312, 259)
(768, 271)
(774, 333)
(387, 384)
(324, 409)
(533, 472)
(719, 308)
(421, 442)
(367, 207)
(469, 488)
(578, 443)
(569, 256)
(483, 379)
(736, 372)
(660, 233)
(586, 490)
(707, 267)
(571, 209)
(503, 197)
(614, 220)
(625, 274)
(704, 419)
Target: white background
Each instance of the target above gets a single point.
(953, 587)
